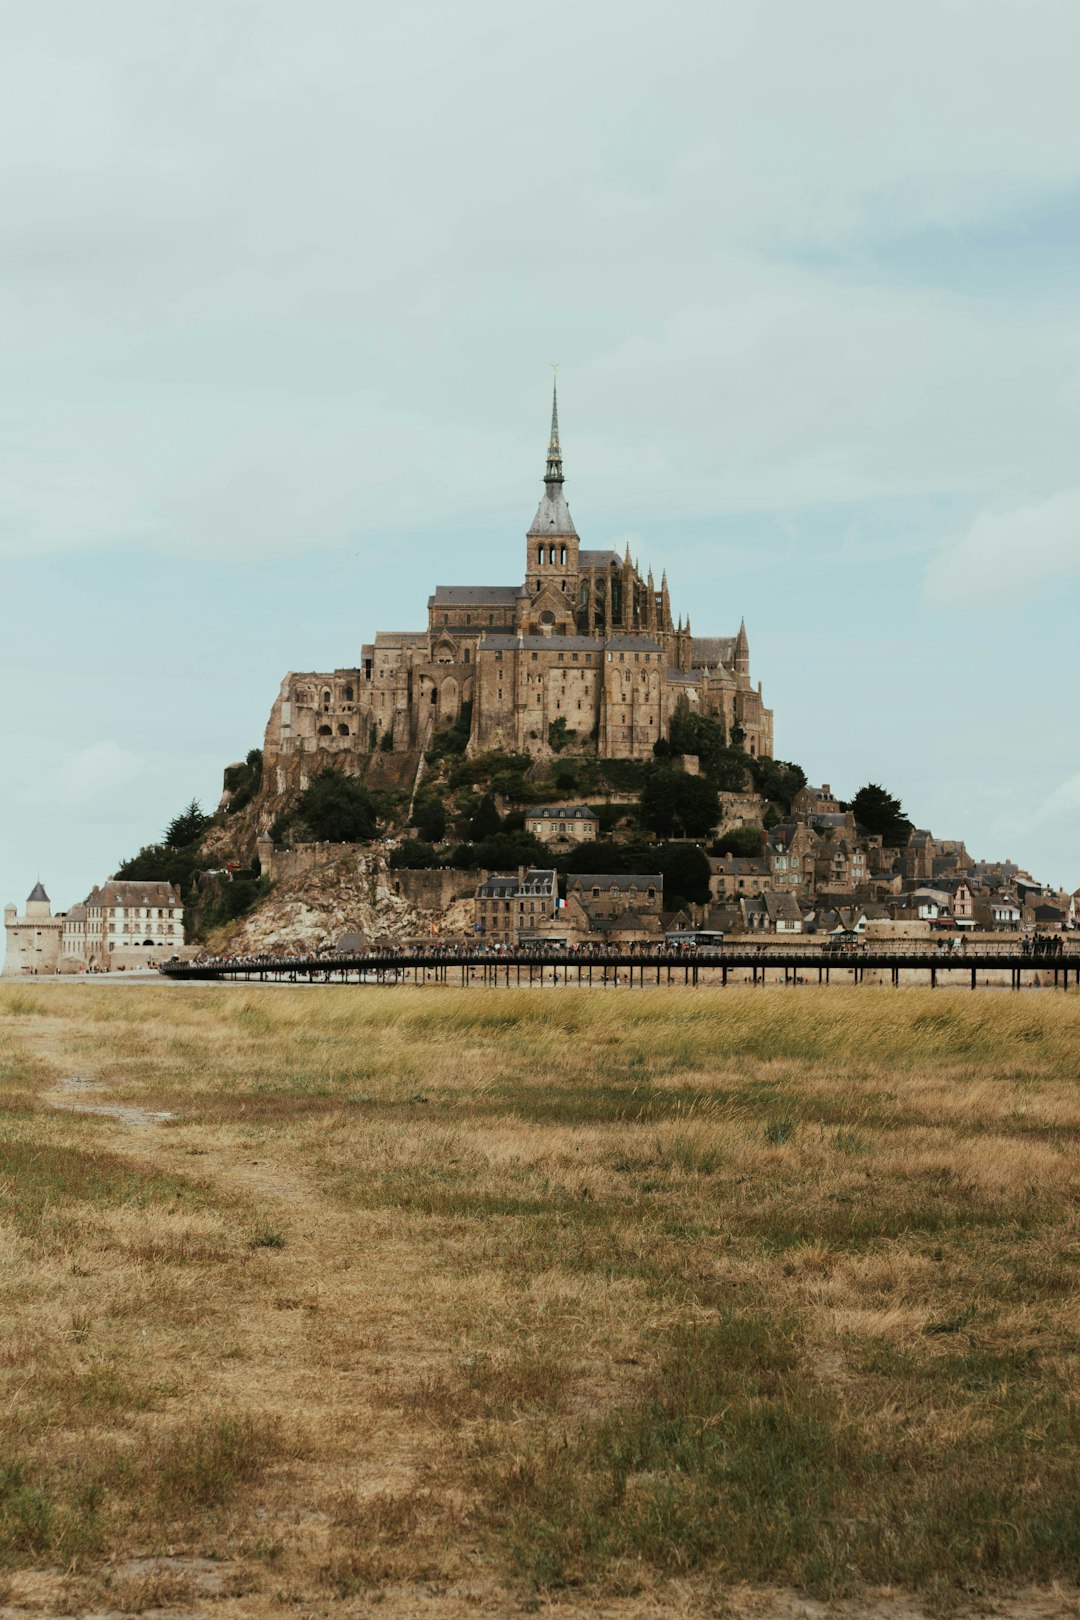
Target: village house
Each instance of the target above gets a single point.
(607, 894)
(839, 866)
(774, 912)
(817, 801)
(999, 911)
(731, 876)
(618, 908)
(509, 907)
(790, 853)
(562, 823)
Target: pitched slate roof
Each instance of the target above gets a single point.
(553, 514)
(128, 892)
(598, 559)
(712, 649)
(562, 812)
(537, 881)
(622, 881)
(37, 893)
(474, 596)
(503, 640)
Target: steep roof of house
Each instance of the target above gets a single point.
(129, 892)
(598, 559)
(37, 893)
(537, 881)
(622, 881)
(561, 812)
(781, 906)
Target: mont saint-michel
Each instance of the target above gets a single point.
(584, 648)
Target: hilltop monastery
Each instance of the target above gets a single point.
(584, 644)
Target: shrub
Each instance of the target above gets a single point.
(429, 817)
(414, 855)
(672, 802)
(336, 809)
(486, 821)
(744, 842)
(243, 781)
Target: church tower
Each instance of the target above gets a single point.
(551, 546)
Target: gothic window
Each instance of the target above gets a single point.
(348, 694)
(465, 655)
(446, 618)
(434, 695)
(562, 559)
(326, 698)
(540, 555)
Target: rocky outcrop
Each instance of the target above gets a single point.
(345, 889)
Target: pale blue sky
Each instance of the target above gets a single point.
(279, 287)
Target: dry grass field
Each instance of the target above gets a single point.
(342, 1301)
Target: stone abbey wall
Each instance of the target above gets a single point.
(585, 642)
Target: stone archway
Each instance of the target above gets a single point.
(448, 701)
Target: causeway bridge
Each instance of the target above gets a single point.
(773, 963)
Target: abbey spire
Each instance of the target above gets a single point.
(554, 473)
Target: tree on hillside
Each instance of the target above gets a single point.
(504, 852)
(486, 821)
(744, 842)
(879, 812)
(185, 828)
(684, 867)
(337, 809)
(430, 818)
(777, 780)
(673, 803)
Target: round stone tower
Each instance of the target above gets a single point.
(33, 940)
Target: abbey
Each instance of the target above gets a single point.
(584, 645)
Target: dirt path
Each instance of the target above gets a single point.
(65, 1095)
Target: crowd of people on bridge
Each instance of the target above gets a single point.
(739, 953)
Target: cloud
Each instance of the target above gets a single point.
(96, 772)
(1005, 556)
(1063, 801)
(273, 284)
